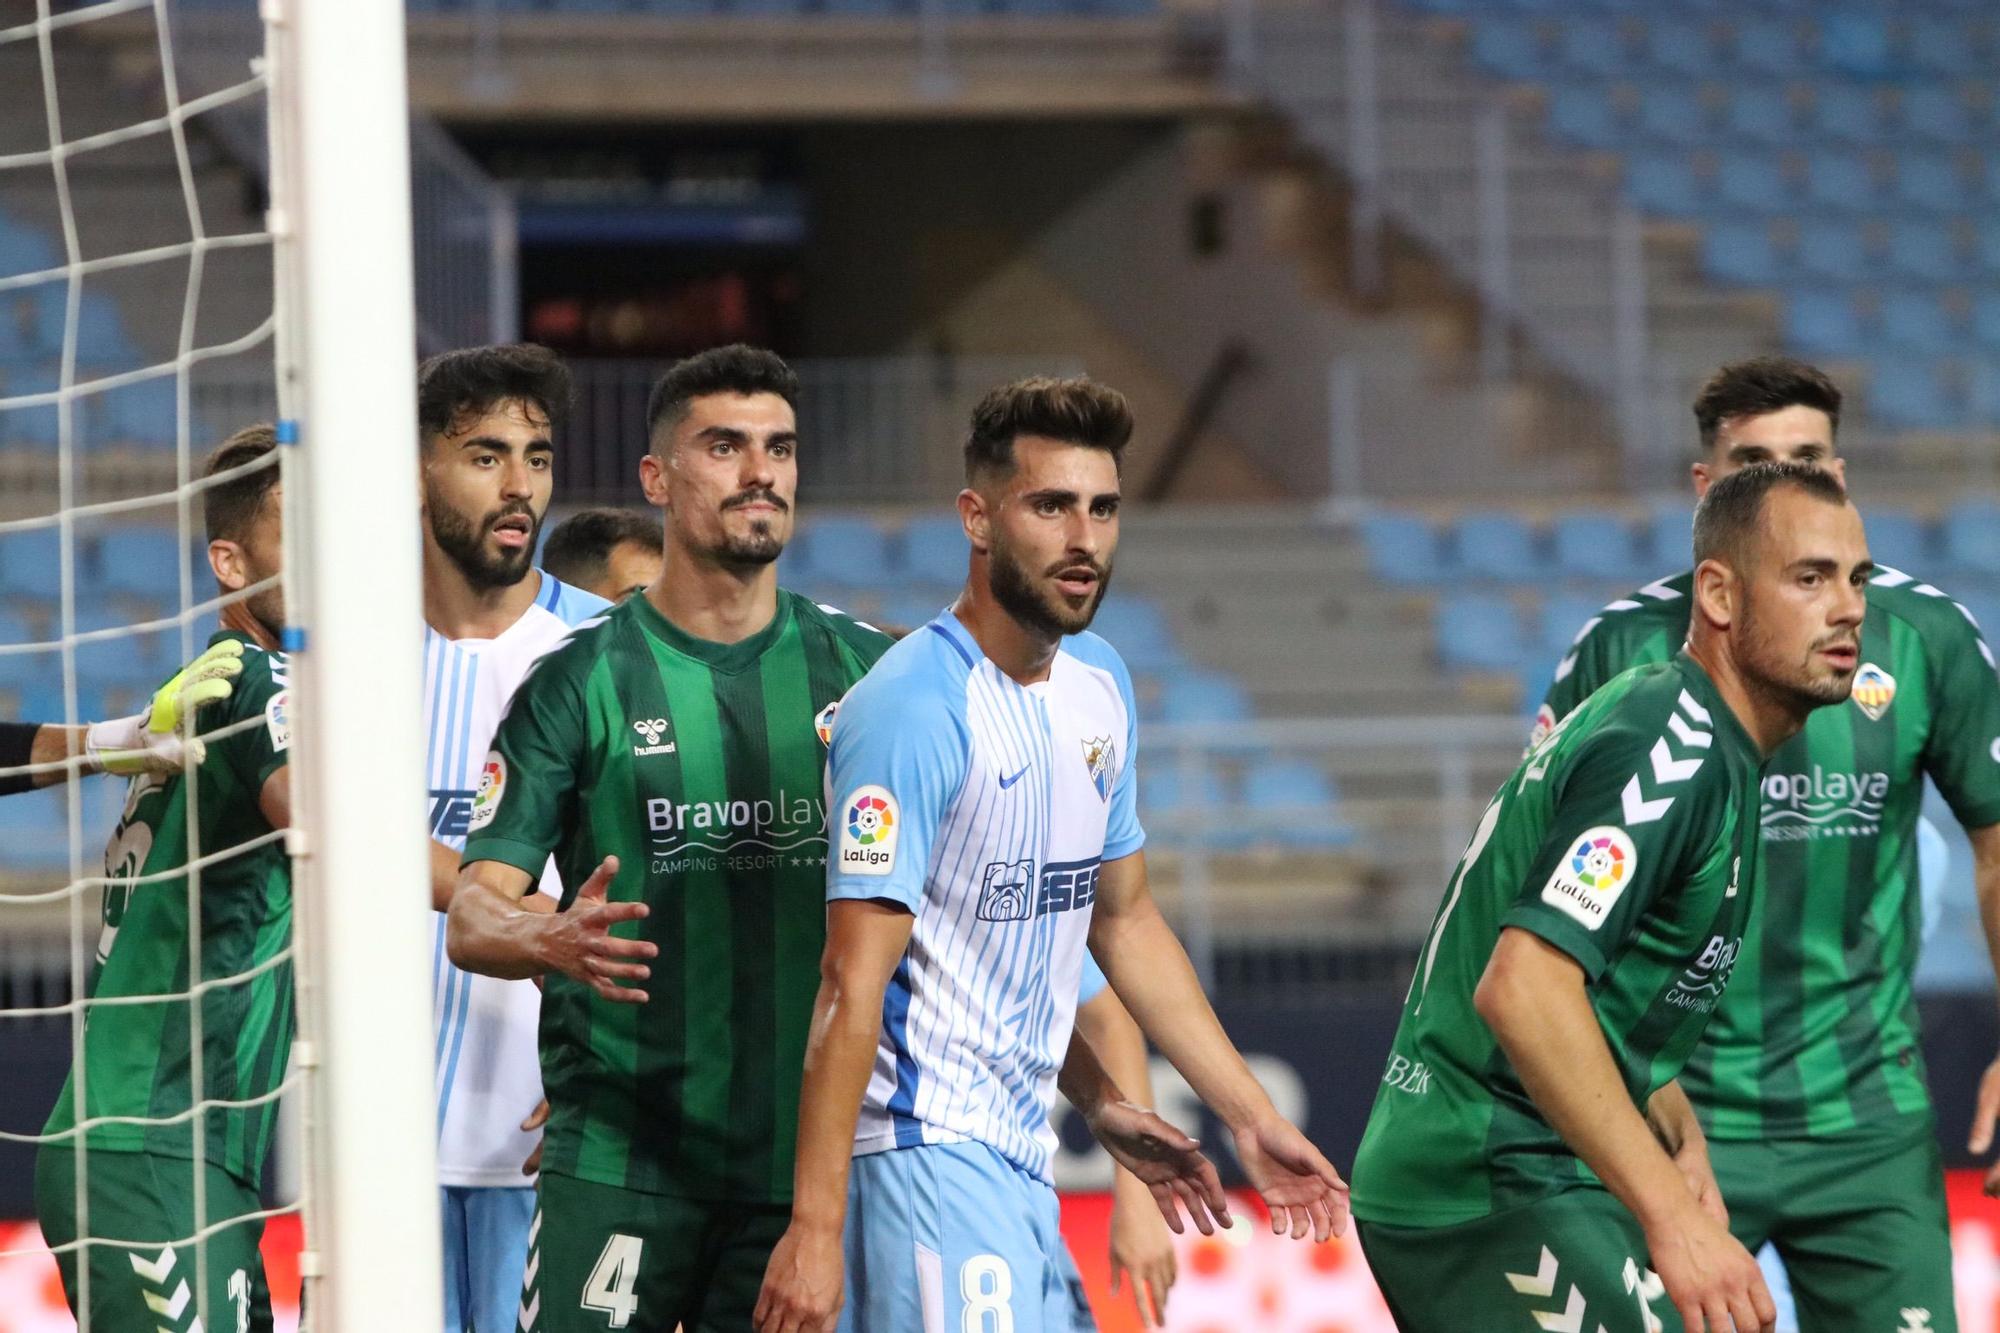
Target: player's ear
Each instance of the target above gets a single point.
(1703, 478)
(225, 559)
(973, 515)
(1717, 593)
(653, 479)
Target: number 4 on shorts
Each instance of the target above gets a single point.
(613, 1279)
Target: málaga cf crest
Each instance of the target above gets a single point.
(1874, 690)
(1097, 757)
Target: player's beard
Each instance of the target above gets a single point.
(761, 545)
(464, 543)
(1046, 612)
(1804, 684)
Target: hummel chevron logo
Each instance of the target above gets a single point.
(157, 1271)
(1543, 1283)
(534, 1267)
(1666, 768)
(1642, 801)
(530, 1309)
(160, 1305)
(1660, 592)
(1571, 1318)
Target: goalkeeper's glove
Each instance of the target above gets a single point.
(161, 739)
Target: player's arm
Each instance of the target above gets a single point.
(1670, 1115)
(445, 864)
(1153, 978)
(488, 930)
(865, 940)
(1986, 884)
(1141, 1251)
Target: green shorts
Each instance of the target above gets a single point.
(1858, 1218)
(167, 1283)
(1575, 1260)
(600, 1257)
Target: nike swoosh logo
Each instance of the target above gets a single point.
(1005, 783)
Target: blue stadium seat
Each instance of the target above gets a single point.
(143, 413)
(1593, 45)
(1402, 548)
(1849, 112)
(1839, 178)
(1295, 805)
(1823, 323)
(1932, 180)
(1971, 538)
(1938, 46)
(31, 564)
(1855, 43)
(142, 562)
(25, 250)
(29, 428)
(1831, 248)
(100, 335)
(1673, 115)
(1924, 248)
(34, 830)
(1203, 696)
(1913, 394)
(1139, 631)
(1899, 540)
(1508, 47)
(934, 550)
(1917, 321)
(1754, 182)
(1190, 814)
(1563, 618)
(1937, 113)
(1594, 546)
(1741, 252)
(847, 552)
(1769, 46)
(1664, 183)
(1986, 319)
(1760, 114)
(1680, 45)
(1670, 537)
(1583, 115)
(1498, 547)
(1482, 634)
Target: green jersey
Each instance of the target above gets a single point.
(1626, 839)
(138, 1056)
(1819, 1032)
(701, 767)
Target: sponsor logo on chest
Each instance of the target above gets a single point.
(1823, 803)
(1011, 891)
(780, 830)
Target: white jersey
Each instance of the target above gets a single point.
(488, 1072)
(985, 807)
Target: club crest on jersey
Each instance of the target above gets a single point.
(1098, 756)
(1589, 881)
(492, 787)
(823, 724)
(650, 730)
(1874, 691)
(868, 828)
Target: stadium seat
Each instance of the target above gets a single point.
(934, 550)
(1855, 43)
(1917, 321)
(1592, 45)
(1293, 804)
(1932, 181)
(1913, 394)
(31, 564)
(1481, 634)
(1681, 46)
(29, 428)
(1848, 112)
(1189, 813)
(1768, 46)
(1823, 323)
(1936, 113)
(1672, 115)
(1670, 537)
(1139, 631)
(1839, 178)
(1663, 183)
(1741, 252)
(1899, 540)
(1831, 248)
(1496, 547)
(1562, 619)
(1594, 546)
(1986, 319)
(144, 413)
(34, 830)
(1938, 46)
(844, 551)
(1754, 182)
(1583, 115)
(1923, 248)
(1508, 47)
(1204, 696)
(25, 249)
(142, 562)
(1402, 548)
(1760, 115)
(1971, 538)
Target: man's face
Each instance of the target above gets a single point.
(1797, 631)
(631, 567)
(258, 555)
(487, 482)
(727, 475)
(1052, 532)
(1804, 434)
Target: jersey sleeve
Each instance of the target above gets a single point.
(263, 695)
(1123, 834)
(895, 764)
(1592, 659)
(527, 788)
(1962, 754)
(1094, 982)
(1633, 818)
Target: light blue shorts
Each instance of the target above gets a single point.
(1081, 1320)
(948, 1237)
(485, 1250)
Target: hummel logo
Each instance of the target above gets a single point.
(650, 730)
(1005, 783)
(1668, 768)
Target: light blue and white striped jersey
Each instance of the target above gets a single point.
(488, 1073)
(985, 807)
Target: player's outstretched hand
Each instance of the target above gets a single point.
(1984, 1112)
(1711, 1279)
(802, 1284)
(578, 942)
(1143, 1255)
(536, 1119)
(1166, 1161)
(1300, 1187)
(162, 739)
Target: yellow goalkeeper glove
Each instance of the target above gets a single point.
(161, 739)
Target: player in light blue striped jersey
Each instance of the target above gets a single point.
(984, 826)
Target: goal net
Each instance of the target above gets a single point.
(204, 225)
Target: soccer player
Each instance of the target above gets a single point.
(611, 552)
(1811, 1081)
(160, 740)
(486, 420)
(985, 819)
(678, 744)
(140, 1172)
(1529, 1156)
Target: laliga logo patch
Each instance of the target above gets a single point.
(492, 786)
(1590, 880)
(1098, 757)
(278, 720)
(868, 832)
(823, 724)
(1874, 690)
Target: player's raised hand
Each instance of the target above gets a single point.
(1984, 1112)
(578, 942)
(162, 739)
(802, 1284)
(1166, 1161)
(1711, 1279)
(1300, 1187)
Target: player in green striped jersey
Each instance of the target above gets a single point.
(1529, 1154)
(148, 1152)
(1811, 1082)
(679, 743)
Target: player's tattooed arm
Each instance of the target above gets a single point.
(1533, 997)
(489, 931)
(1986, 885)
(865, 940)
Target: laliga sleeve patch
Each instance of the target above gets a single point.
(1588, 882)
(278, 720)
(870, 822)
(1545, 722)
(492, 786)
